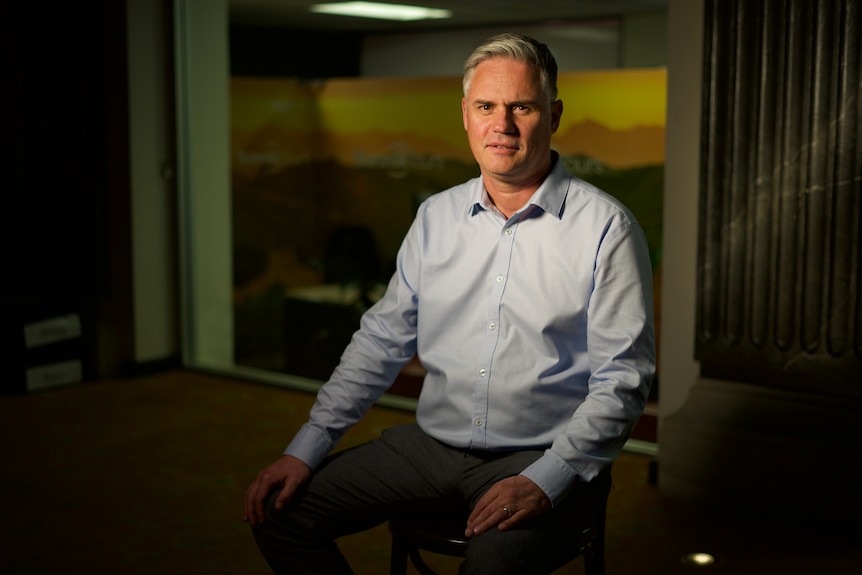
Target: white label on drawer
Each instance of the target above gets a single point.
(54, 374)
(52, 330)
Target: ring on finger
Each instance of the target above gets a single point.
(507, 510)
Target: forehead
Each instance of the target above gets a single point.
(505, 78)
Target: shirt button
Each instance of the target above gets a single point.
(508, 231)
(479, 423)
(499, 279)
(492, 326)
(482, 372)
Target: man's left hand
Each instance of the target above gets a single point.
(509, 502)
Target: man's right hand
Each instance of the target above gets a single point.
(287, 473)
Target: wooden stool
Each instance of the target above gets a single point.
(410, 536)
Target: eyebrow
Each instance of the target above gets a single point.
(532, 103)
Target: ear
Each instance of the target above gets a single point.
(556, 114)
(464, 111)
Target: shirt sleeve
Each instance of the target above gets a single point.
(621, 349)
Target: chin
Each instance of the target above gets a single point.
(500, 167)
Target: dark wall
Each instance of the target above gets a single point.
(290, 53)
(65, 221)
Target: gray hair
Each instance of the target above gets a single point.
(520, 48)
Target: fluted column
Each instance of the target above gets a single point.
(781, 173)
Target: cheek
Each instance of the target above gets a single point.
(474, 128)
(474, 139)
(538, 133)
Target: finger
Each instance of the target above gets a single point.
(258, 494)
(512, 518)
(255, 506)
(491, 517)
(247, 505)
(486, 506)
(285, 495)
(478, 515)
(495, 519)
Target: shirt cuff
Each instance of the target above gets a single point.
(309, 445)
(553, 476)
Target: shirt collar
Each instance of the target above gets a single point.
(550, 195)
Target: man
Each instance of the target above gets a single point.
(527, 295)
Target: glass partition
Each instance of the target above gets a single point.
(295, 194)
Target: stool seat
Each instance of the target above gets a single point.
(435, 535)
(446, 537)
(444, 534)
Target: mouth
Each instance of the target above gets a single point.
(502, 146)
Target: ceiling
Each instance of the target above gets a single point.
(466, 13)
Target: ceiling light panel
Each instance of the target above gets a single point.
(381, 11)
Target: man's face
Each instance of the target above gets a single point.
(509, 121)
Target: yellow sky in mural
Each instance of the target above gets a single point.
(258, 101)
(618, 99)
(423, 105)
(430, 108)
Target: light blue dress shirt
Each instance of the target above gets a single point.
(536, 332)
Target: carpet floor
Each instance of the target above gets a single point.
(148, 474)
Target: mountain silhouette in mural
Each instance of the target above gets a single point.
(637, 146)
(345, 147)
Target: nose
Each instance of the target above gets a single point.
(504, 120)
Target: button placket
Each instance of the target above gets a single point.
(493, 333)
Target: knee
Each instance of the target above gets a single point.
(280, 537)
(300, 523)
(277, 525)
(293, 542)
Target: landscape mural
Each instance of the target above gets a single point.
(327, 176)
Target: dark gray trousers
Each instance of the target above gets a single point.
(406, 472)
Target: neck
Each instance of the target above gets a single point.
(509, 201)
(509, 197)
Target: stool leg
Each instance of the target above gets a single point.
(594, 554)
(598, 556)
(398, 558)
(420, 565)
